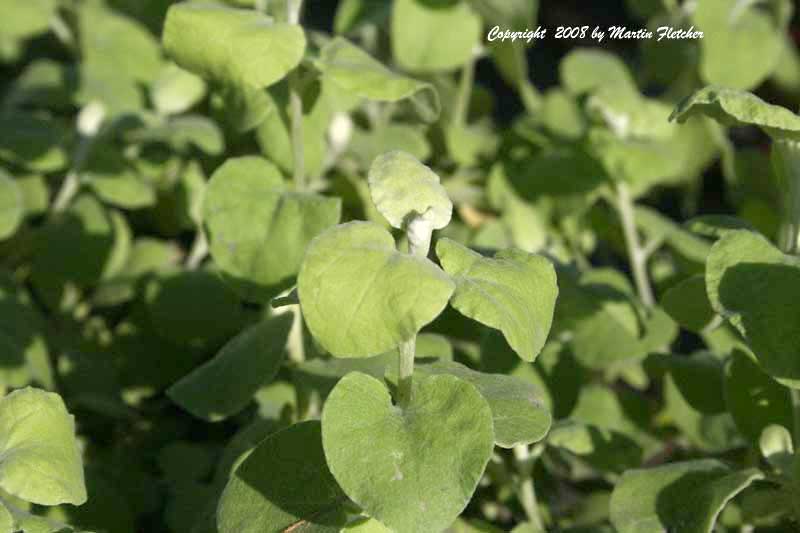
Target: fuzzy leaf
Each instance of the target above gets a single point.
(248, 48)
(283, 485)
(685, 497)
(224, 385)
(39, 457)
(176, 90)
(361, 297)
(354, 70)
(518, 410)
(413, 469)
(739, 108)
(257, 229)
(418, 42)
(754, 399)
(757, 287)
(401, 188)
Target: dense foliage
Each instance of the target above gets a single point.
(260, 277)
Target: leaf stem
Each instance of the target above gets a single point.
(405, 371)
(461, 109)
(293, 8)
(637, 254)
(199, 250)
(71, 184)
(525, 489)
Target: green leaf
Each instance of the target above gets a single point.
(248, 47)
(754, 399)
(756, 287)
(24, 356)
(85, 226)
(739, 108)
(39, 457)
(514, 292)
(176, 90)
(741, 45)
(258, 230)
(775, 444)
(6, 520)
(113, 43)
(355, 71)
(413, 469)
(31, 142)
(12, 206)
(368, 145)
(361, 297)
(366, 525)
(687, 303)
(699, 379)
(224, 385)
(585, 69)
(630, 115)
(193, 308)
(418, 42)
(283, 485)
(115, 181)
(685, 497)
(24, 19)
(602, 448)
(402, 188)
(518, 410)
(180, 133)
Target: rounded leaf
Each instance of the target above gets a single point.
(361, 297)
(39, 457)
(283, 485)
(413, 469)
(685, 497)
(402, 188)
(757, 287)
(248, 48)
(514, 292)
(257, 229)
(12, 206)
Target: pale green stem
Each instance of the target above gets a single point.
(294, 8)
(418, 232)
(637, 254)
(461, 110)
(531, 99)
(71, 184)
(199, 250)
(525, 490)
(786, 155)
(405, 371)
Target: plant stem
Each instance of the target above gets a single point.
(71, 184)
(293, 8)
(461, 109)
(199, 250)
(405, 371)
(525, 490)
(636, 252)
(786, 156)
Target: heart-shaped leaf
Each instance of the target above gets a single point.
(757, 287)
(354, 70)
(361, 297)
(514, 292)
(685, 497)
(284, 485)
(224, 385)
(739, 108)
(754, 399)
(39, 457)
(257, 229)
(518, 410)
(413, 469)
(403, 188)
(418, 42)
(248, 48)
